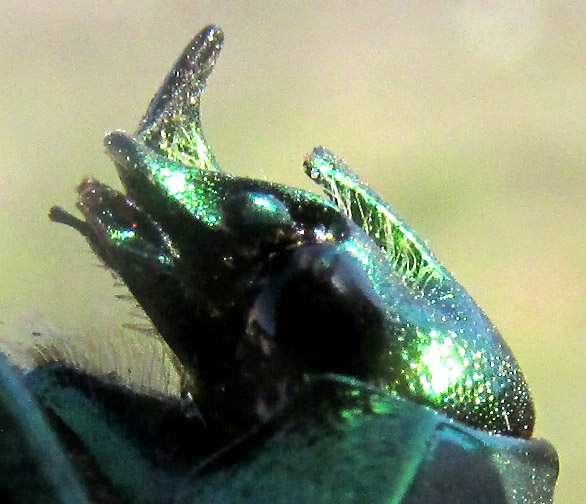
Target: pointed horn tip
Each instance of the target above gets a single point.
(318, 153)
(210, 36)
(309, 163)
(213, 33)
(310, 156)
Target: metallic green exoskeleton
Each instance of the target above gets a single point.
(316, 330)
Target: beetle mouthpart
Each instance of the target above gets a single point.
(91, 195)
(60, 215)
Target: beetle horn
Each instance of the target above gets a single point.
(172, 125)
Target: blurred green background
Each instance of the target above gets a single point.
(467, 116)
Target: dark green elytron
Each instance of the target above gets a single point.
(329, 355)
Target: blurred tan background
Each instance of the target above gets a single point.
(468, 116)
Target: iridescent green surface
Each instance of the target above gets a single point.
(33, 466)
(374, 446)
(172, 187)
(418, 332)
(172, 124)
(408, 255)
(466, 117)
(456, 358)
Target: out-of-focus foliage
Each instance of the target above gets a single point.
(468, 116)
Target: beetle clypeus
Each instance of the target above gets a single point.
(330, 356)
